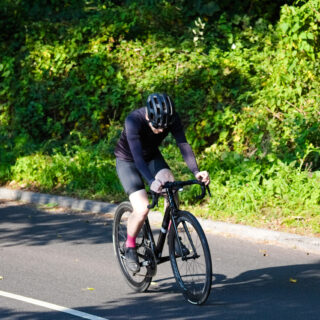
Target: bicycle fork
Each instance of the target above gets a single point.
(174, 211)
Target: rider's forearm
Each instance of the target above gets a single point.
(136, 151)
(144, 170)
(189, 157)
(140, 163)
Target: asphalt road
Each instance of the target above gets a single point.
(64, 261)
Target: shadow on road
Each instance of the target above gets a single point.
(24, 224)
(256, 294)
(283, 292)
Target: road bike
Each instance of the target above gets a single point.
(189, 252)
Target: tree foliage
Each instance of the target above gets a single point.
(244, 76)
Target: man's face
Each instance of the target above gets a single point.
(154, 130)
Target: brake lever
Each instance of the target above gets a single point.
(155, 198)
(209, 192)
(203, 191)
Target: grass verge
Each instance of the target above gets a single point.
(275, 195)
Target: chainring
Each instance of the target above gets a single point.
(152, 267)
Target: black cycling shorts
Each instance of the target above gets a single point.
(130, 176)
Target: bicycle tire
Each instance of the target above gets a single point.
(193, 273)
(140, 281)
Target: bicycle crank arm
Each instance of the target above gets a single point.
(145, 264)
(194, 257)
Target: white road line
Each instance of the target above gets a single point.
(50, 306)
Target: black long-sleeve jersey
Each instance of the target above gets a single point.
(140, 144)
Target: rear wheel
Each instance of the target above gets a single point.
(139, 281)
(190, 258)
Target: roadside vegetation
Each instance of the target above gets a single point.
(245, 77)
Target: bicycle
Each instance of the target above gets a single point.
(189, 252)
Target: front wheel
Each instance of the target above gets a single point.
(190, 258)
(137, 281)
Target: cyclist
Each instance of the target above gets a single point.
(138, 157)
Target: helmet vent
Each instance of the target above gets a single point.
(160, 110)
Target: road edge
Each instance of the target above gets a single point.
(289, 240)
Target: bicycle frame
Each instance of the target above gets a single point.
(186, 242)
(170, 214)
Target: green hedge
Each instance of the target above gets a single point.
(244, 77)
(241, 78)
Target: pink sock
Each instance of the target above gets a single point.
(131, 242)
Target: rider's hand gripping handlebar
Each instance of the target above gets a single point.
(176, 185)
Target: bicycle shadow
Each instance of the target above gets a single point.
(283, 292)
(260, 294)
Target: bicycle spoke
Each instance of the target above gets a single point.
(193, 271)
(138, 281)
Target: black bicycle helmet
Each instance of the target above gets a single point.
(160, 110)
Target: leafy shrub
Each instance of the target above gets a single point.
(244, 77)
(80, 171)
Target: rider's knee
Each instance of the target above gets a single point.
(141, 212)
(139, 201)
